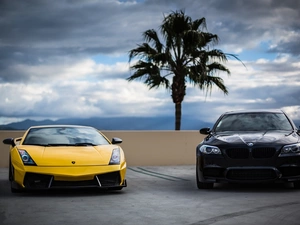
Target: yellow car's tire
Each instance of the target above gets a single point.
(10, 172)
(13, 185)
(116, 188)
(14, 188)
(297, 184)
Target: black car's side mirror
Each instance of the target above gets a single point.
(205, 131)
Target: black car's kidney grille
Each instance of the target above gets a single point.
(263, 152)
(238, 153)
(244, 153)
(251, 174)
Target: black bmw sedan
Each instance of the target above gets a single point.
(249, 147)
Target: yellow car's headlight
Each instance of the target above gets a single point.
(115, 157)
(26, 158)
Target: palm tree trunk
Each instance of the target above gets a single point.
(177, 116)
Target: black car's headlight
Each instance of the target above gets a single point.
(26, 158)
(209, 149)
(290, 149)
(115, 157)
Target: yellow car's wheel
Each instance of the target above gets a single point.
(13, 185)
(10, 174)
(116, 188)
(297, 184)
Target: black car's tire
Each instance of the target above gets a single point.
(297, 184)
(202, 185)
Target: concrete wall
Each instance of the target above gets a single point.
(142, 148)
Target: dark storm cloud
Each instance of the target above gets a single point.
(262, 97)
(291, 47)
(39, 29)
(245, 21)
(74, 28)
(47, 22)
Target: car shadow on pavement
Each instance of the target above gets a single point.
(257, 187)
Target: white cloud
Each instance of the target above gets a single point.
(293, 111)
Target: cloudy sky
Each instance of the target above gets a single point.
(69, 58)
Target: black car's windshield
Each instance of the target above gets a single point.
(64, 136)
(253, 122)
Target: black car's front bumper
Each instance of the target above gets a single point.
(220, 168)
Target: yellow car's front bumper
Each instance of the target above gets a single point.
(37, 177)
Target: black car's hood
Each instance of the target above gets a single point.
(253, 138)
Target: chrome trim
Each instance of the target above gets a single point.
(98, 181)
(50, 182)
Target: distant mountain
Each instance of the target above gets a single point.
(118, 123)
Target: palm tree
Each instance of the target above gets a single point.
(184, 57)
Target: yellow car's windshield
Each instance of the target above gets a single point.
(64, 136)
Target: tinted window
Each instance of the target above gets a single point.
(253, 122)
(64, 136)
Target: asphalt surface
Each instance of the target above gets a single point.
(154, 196)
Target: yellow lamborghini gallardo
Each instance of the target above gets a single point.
(65, 156)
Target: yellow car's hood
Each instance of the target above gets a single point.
(70, 155)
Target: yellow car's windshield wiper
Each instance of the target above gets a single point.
(64, 144)
(84, 144)
(58, 144)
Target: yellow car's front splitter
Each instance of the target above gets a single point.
(37, 177)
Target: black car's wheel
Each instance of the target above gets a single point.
(297, 184)
(202, 185)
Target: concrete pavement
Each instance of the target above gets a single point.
(154, 196)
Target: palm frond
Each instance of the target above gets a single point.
(199, 24)
(215, 66)
(210, 81)
(152, 37)
(150, 73)
(143, 51)
(236, 57)
(217, 54)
